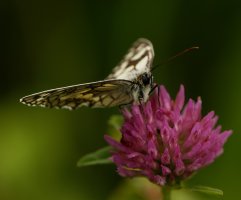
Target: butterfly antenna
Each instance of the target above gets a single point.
(175, 56)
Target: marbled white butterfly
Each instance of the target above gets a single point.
(131, 81)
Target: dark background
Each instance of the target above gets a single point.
(48, 44)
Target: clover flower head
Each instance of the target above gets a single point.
(165, 140)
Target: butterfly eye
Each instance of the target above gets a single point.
(146, 79)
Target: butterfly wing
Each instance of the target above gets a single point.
(106, 93)
(137, 61)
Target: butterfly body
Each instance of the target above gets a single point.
(130, 82)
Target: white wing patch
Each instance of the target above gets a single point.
(141, 65)
(137, 61)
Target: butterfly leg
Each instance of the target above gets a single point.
(158, 92)
(152, 89)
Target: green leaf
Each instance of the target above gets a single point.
(101, 156)
(114, 125)
(206, 190)
(115, 121)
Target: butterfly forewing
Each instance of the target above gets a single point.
(137, 61)
(100, 94)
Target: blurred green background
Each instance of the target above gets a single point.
(47, 44)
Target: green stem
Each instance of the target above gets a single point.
(166, 193)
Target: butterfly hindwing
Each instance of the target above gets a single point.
(137, 61)
(106, 93)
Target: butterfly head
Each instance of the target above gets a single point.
(144, 85)
(146, 79)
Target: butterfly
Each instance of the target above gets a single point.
(131, 81)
